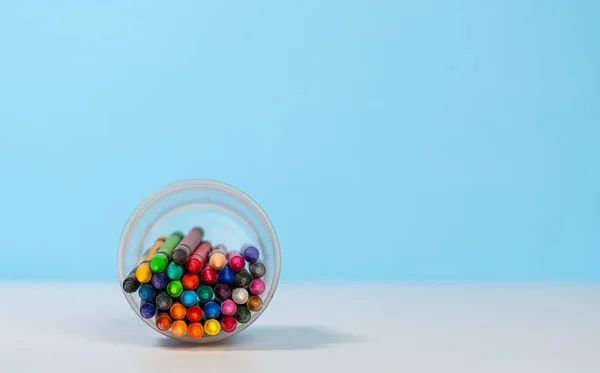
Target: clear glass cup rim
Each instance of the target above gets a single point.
(197, 184)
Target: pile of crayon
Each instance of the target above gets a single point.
(191, 288)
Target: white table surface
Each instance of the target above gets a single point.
(350, 328)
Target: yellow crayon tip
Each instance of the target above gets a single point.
(143, 274)
(212, 327)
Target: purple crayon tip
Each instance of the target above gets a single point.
(251, 254)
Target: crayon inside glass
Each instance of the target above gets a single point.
(131, 283)
(184, 249)
(199, 257)
(159, 261)
(217, 259)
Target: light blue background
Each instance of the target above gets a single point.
(411, 140)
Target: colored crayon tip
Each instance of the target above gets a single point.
(147, 310)
(194, 265)
(190, 281)
(218, 261)
(163, 301)
(163, 322)
(257, 286)
(130, 285)
(174, 271)
(257, 270)
(226, 276)
(251, 254)
(178, 311)
(239, 295)
(158, 263)
(208, 276)
(228, 308)
(178, 233)
(146, 292)
(237, 263)
(212, 327)
(189, 298)
(205, 294)
(143, 274)
(195, 330)
(194, 313)
(222, 292)
(242, 315)
(180, 255)
(243, 279)
(159, 281)
(228, 324)
(174, 288)
(179, 328)
(212, 310)
(254, 303)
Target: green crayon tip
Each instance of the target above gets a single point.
(174, 271)
(205, 293)
(174, 288)
(158, 263)
(179, 233)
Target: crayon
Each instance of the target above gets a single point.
(159, 261)
(163, 322)
(257, 270)
(143, 273)
(194, 314)
(195, 330)
(236, 261)
(243, 278)
(205, 294)
(242, 315)
(147, 310)
(226, 276)
(254, 303)
(251, 254)
(239, 295)
(163, 301)
(178, 311)
(212, 327)
(174, 288)
(146, 292)
(208, 276)
(159, 281)
(174, 271)
(257, 286)
(183, 251)
(131, 284)
(189, 298)
(179, 328)
(228, 324)
(199, 256)
(228, 307)
(217, 258)
(212, 310)
(190, 281)
(222, 292)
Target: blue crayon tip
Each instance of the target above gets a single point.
(147, 310)
(146, 292)
(212, 310)
(189, 298)
(226, 276)
(159, 281)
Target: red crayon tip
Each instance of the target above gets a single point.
(194, 264)
(208, 276)
(194, 313)
(228, 324)
(190, 281)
